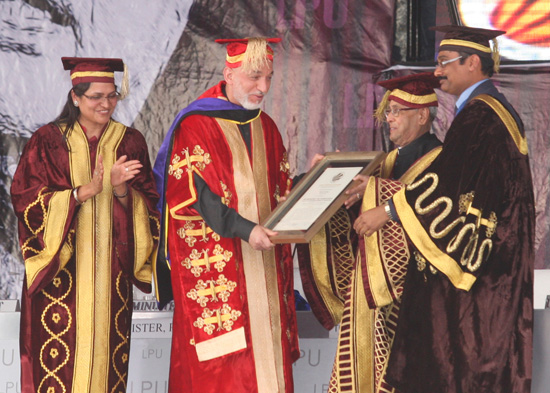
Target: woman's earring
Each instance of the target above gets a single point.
(75, 102)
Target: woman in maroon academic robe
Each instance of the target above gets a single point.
(84, 195)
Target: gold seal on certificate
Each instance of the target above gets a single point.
(318, 195)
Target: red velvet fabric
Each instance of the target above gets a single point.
(235, 371)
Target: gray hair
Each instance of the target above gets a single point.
(433, 112)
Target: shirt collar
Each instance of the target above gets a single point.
(466, 93)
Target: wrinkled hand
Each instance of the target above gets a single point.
(259, 238)
(123, 170)
(371, 221)
(356, 193)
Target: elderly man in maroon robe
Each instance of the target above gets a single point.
(357, 283)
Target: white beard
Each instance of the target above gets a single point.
(242, 98)
(249, 105)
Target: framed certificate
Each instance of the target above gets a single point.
(319, 195)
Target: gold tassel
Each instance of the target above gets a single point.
(496, 56)
(125, 86)
(255, 56)
(380, 114)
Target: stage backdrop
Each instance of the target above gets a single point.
(322, 96)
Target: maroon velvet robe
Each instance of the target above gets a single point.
(465, 323)
(81, 260)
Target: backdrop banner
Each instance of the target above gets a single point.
(322, 97)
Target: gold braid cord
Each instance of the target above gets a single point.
(343, 375)
(385, 324)
(57, 320)
(394, 257)
(473, 239)
(121, 350)
(342, 251)
(40, 201)
(366, 334)
(394, 253)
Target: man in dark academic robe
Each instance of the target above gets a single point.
(221, 172)
(465, 323)
(357, 283)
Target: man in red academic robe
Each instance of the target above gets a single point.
(221, 171)
(465, 323)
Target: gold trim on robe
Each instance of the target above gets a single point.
(93, 248)
(261, 278)
(322, 277)
(425, 245)
(366, 334)
(144, 247)
(382, 281)
(93, 245)
(53, 236)
(88, 296)
(508, 120)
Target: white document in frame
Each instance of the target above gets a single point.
(317, 198)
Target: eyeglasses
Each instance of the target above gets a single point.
(395, 111)
(442, 64)
(99, 98)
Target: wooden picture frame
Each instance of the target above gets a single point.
(319, 195)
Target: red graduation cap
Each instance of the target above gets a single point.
(248, 52)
